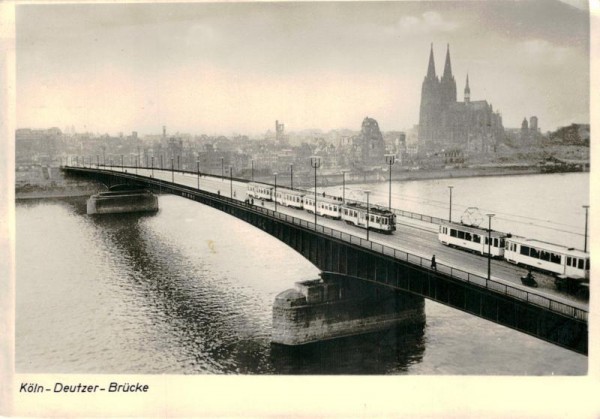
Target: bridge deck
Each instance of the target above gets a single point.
(413, 243)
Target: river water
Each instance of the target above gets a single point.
(189, 290)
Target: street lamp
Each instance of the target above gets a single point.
(291, 175)
(450, 210)
(198, 165)
(489, 244)
(97, 161)
(172, 171)
(178, 167)
(252, 170)
(161, 162)
(152, 173)
(122, 163)
(367, 193)
(315, 162)
(230, 182)
(136, 164)
(586, 227)
(390, 159)
(344, 186)
(275, 193)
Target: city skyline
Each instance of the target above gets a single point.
(236, 68)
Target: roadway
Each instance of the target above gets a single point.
(412, 236)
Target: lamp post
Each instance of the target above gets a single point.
(275, 193)
(344, 186)
(97, 161)
(122, 166)
(136, 164)
(252, 170)
(230, 182)
(489, 245)
(586, 227)
(315, 162)
(367, 193)
(172, 171)
(390, 159)
(161, 162)
(198, 170)
(178, 166)
(291, 175)
(450, 207)
(152, 170)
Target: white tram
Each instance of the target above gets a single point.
(326, 207)
(568, 263)
(289, 198)
(472, 238)
(260, 191)
(380, 219)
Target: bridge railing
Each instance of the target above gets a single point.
(454, 273)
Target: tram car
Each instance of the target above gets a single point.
(326, 207)
(290, 198)
(564, 262)
(472, 238)
(260, 191)
(380, 219)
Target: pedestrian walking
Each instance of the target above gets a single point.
(433, 263)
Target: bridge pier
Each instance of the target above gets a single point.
(335, 306)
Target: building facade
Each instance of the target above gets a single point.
(445, 124)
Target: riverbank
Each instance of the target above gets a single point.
(306, 179)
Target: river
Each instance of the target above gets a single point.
(189, 290)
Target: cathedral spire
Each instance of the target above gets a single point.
(431, 68)
(467, 91)
(447, 65)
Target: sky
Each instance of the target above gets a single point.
(227, 68)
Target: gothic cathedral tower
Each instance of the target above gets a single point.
(447, 83)
(430, 102)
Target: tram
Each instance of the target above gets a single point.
(326, 206)
(566, 263)
(290, 198)
(260, 191)
(379, 219)
(472, 238)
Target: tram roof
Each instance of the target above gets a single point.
(473, 229)
(557, 248)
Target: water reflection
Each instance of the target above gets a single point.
(391, 351)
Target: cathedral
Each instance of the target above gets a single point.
(446, 125)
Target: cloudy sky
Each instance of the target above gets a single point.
(236, 68)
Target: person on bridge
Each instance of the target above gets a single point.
(433, 263)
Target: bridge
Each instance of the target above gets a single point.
(383, 260)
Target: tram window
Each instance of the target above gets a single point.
(587, 264)
(461, 234)
(379, 220)
(534, 253)
(501, 242)
(569, 260)
(525, 250)
(545, 255)
(554, 258)
(468, 236)
(579, 263)
(452, 232)
(476, 238)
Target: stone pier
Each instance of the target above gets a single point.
(335, 306)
